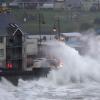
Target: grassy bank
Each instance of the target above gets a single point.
(69, 21)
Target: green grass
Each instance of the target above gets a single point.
(67, 23)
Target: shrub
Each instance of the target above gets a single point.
(85, 26)
(97, 21)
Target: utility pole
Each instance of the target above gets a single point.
(58, 25)
(39, 28)
(39, 20)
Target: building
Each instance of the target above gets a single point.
(22, 49)
(14, 48)
(5, 19)
(39, 3)
(73, 4)
(59, 4)
(2, 49)
(11, 43)
(36, 47)
(18, 49)
(30, 3)
(48, 4)
(91, 4)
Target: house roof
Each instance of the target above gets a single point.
(17, 29)
(5, 20)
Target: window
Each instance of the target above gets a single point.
(1, 39)
(1, 52)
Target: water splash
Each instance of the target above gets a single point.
(76, 68)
